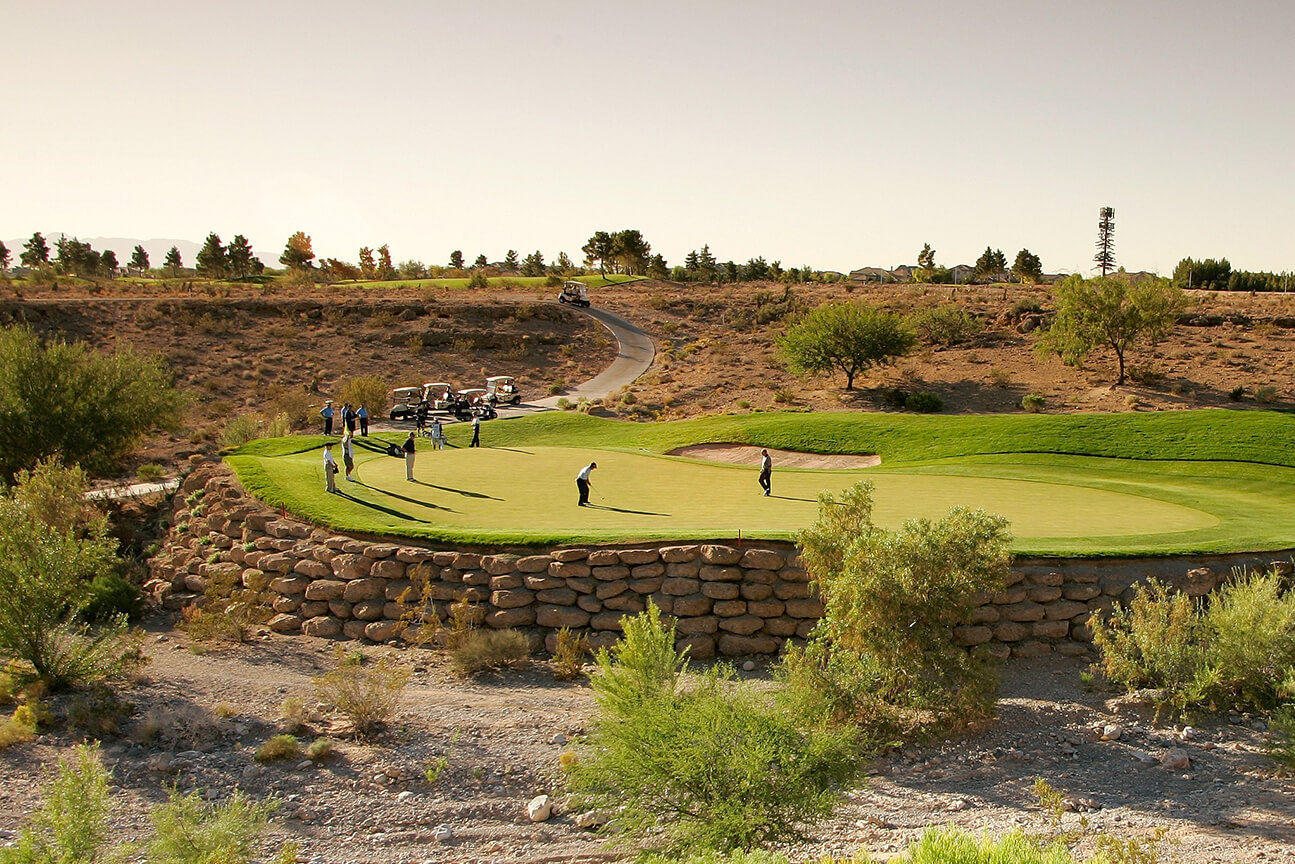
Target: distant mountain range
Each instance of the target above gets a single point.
(123, 246)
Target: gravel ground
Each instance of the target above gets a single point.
(500, 740)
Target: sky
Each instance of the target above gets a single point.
(826, 133)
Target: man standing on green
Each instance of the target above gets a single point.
(766, 473)
(582, 483)
(409, 449)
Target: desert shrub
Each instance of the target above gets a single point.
(895, 397)
(1033, 403)
(1266, 394)
(569, 654)
(49, 552)
(98, 712)
(487, 649)
(924, 403)
(1000, 378)
(1236, 394)
(366, 695)
(565, 404)
(112, 595)
(714, 765)
(946, 324)
(247, 427)
(1282, 745)
(72, 823)
(184, 726)
(19, 727)
(188, 830)
(478, 279)
(150, 472)
(103, 402)
(951, 845)
(370, 390)
(320, 749)
(858, 663)
(1234, 650)
(229, 612)
(712, 856)
(298, 403)
(297, 714)
(278, 748)
(1026, 306)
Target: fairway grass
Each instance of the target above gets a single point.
(1226, 484)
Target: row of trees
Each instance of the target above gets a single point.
(991, 266)
(72, 257)
(700, 265)
(1218, 275)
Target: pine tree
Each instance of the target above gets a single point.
(456, 259)
(172, 262)
(35, 251)
(212, 259)
(242, 263)
(298, 253)
(108, 263)
(1105, 257)
(139, 259)
(481, 261)
(386, 270)
(510, 260)
(4, 256)
(1027, 268)
(368, 269)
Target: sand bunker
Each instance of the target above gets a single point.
(742, 454)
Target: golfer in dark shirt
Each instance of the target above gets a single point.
(766, 472)
(582, 482)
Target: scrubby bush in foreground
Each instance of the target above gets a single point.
(885, 639)
(1236, 649)
(710, 765)
(366, 695)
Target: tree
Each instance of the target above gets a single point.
(657, 267)
(481, 261)
(334, 270)
(298, 254)
(850, 337)
(1027, 267)
(992, 264)
(35, 252)
(1206, 273)
(598, 251)
(456, 259)
(412, 269)
(4, 256)
(172, 261)
(1105, 257)
(630, 251)
(108, 263)
(563, 266)
(104, 402)
(76, 258)
(386, 270)
(1110, 312)
(510, 260)
(533, 264)
(925, 264)
(212, 260)
(242, 263)
(368, 269)
(139, 259)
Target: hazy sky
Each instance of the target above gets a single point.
(834, 134)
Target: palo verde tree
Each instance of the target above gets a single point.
(1105, 257)
(102, 403)
(849, 337)
(1110, 312)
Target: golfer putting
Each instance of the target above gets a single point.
(582, 483)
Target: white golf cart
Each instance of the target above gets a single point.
(575, 293)
(404, 402)
(439, 395)
(502, 388)
(473, 403)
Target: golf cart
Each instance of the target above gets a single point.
(439, 395)
(472, 403)
(502, 388)
(404, 401)
(575, 293)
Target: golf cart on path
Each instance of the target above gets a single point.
(575, 293)
(502, 388)
(404, 402)
(473, 403)
(439, 395)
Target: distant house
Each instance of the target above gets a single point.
(960, 274)
(903, 273)
(871, 274)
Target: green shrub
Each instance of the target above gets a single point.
(947, 324)
(858, 662)
(1033, 403)
(714, 765)
(488, 649)
(952, 845)
(278, 748)
(49, 552)
(366, 695)
(711, 856)
(1266, 395)
(569, 654)
(320, 749)
(150, 472)
(72, 824)
(1236, 649)
(247, 427)
(1236, 394)
(229, 612)
(187, 830)
(924, 403)
(18, 728)
(370, 390)
(103, 402)
(1282, 745)
(112, 595)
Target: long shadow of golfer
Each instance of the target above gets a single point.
(428, 504)
(623, 510)
(388, 510)
(514, 450)
(463, 492)
(792, 498)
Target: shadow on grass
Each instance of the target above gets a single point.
(388, 510)
(594, 506)
(793, 498)
(462, 492)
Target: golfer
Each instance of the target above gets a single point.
(330, 467)
(348, 454)
(476, 431)
(327, 413)
(438, 434)
(766, 473)
(409, 449)
(582, 482)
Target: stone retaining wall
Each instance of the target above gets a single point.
(726, 600)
